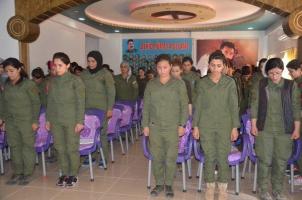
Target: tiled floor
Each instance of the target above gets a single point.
(124, 180)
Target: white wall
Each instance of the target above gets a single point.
(8, 46)
(91, 43)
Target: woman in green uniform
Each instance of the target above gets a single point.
(39, 78)
(215, 122)
(65, 117)
(275, 111)
(164, 116)
(20, 111)
(100, 92)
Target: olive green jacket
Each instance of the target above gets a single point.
(165, 105)
(217, 104)
(193, 79)
(66, 99)
(100, 90)
(126, 89)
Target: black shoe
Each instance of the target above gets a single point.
(24, 180)
(169, 191)
(156, 190)
(101, 164)
(71, 181)
(62, 181)
(14, 179)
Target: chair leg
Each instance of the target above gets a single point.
(255, 177)
(9, 153)
(43, 163)
(1, 163)
(244, 167)
(136, 131)
(127, 142)
(112, 151)
(49, 152)
(37, 159)
(122, 146)
(198, 170)
(237, 179)
(103, 158)
(132, 137)
(189, 163)
(184, 185)
(5, 152)
(292, 178)
(149, 174)
(233, 173)
(200, 176)
(90, 168)
(250, 166)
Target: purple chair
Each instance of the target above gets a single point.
(183, 155)
(42, 140)
(199, 155)
(126, 123)
(235, 158)
(2, 146)
(297, 146)
(136, 120)
(90, 136)
(113, 129)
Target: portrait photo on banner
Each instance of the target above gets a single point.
(239, 52)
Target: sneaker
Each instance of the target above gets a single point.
(62, 181)
(156, 190)
(14, 179)
(169, 191)
(86, 161)
(71, 181)
(265, 196)
(279, 196)
(101, 164)
(24, 180)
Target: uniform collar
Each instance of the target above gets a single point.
(274, 85)
(221, 81)
(171, 80)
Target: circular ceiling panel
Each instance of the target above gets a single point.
(172, 14)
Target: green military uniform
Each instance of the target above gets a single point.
(165, 108)
(21, 106)
(216, 114)
(126, 89)
(245, 88)
(193, 79)
(65, 109)
(100, 94)
(42, 92)
(273, 145)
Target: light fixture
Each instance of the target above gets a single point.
(250, 28)
(81, 19)
(116, 31)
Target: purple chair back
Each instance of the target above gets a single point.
(114, 121)
(126, 115)
(135, 112)
(237, 156)
(198, 152)
(42, 140)
(183, 140)
(90, 132)
(2, 139)
(145, 145)
(297, 145)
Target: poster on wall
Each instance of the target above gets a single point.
(239, 52)
(142, 52)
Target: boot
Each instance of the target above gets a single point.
(223, 195)
(209, 193)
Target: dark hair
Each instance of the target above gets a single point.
(218, 55)
(245, 70)
(97, 57)
(15, 63)
(294, 64)
(106, 66)
(130, 40)
(37, 73)
(273, 63)
(176, 62)
(186, 59)
(62, 56)
(79, 68)
(227, 44)
(141, 68)
(262, 60)
(163, 57)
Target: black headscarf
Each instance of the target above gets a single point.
(99, 60)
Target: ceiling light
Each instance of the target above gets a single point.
(81, 19)
(250, 28)
(116, 31)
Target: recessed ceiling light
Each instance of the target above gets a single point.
(116, 31)
(250, 28)
(81, 19)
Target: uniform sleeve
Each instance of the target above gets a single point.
(234, 108)
(135, 88)
(33, 93)
(197, 110)
(146, 110)
(254, 100)
(79, 89)
(183, 100)
(195, 90)
(296, 102)
(110, 88)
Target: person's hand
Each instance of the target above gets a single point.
(254, 130)
(196, 133)
(47, 126)
(181, 131)
(109, 114)
(146, 131)
(34, 127)
(78, 128)
(295, 135)
(234, 134)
